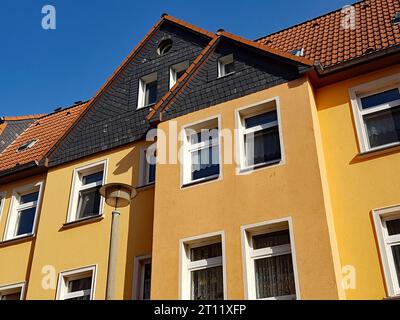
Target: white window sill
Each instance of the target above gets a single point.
(200, 181)
(269, 164)
(79, 222)
(20, 238)
(381, 149)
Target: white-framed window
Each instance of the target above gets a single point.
(376, 108)
(142, 278)
(147, 174)
(201, 151)
(23, 212)
(147, 90)
(2, 200)
(176, 71)
(86, 201)
(12, 291)
(387, 224)
(269, 261)
(78, 284)
(260, 140)
(203, 268)
(226, 65)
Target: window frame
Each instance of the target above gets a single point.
(249, 255)
(380, 216)
(75, 188)
(186, 266)
(13, 288)
(143, 81)
(361, 91)
(2, 201)
(144, 169)
(248, 111)
(174, 70)
(138, 276)
(15, 207)
(76, 274)
(187, 149)
(222, 62)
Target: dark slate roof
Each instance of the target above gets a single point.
(12, 128)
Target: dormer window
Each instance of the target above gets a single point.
(226, 66)
(147, 90)
(26, 145)
(297, 52)
(176, 71)
(396, 18)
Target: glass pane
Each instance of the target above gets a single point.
(272, 239)
(263, 146)
(11, 296)
(206, 252)
(274, 277)
(205, 162)
(30, 197)
(89, 202)
(260, 119)
(396, 258)
(380, 98)
(229, 68)
(383, 127)
(151, 93)
(147, 281)
(152, 173)
(393, 227)
(180, 74)
(91, 178)
(25, 223)
(207, 284)
(80, 284)
(204, 135)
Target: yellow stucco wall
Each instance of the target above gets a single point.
(358, 184)
(293, 189)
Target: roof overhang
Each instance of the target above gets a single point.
(22, 171)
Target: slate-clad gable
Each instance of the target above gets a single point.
(12, 131)
(113, 119)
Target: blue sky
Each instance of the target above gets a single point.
(44, 69)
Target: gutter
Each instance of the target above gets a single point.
(20, 171)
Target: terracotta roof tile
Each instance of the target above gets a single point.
(324, 39)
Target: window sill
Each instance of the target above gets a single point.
(247, 170)
(392, 298)
(17, 240)
(197, 182)
(81, 222)
(379, 151)
(226, 75)
(146, 186)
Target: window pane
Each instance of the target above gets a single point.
(393, 227)
(179, 74)
(204, 135)
(147, 281)
(89, 202)
(383, 127)
(263, 146)
(80, 284)
(94, 177)
(30, 197)
(26, 218)
(380, 98)
(11, 296)
(207, 284)
(206, 252)
(274, 277)
(396, 258)
(271, 239)
(151, 93)
(205, 162)
(260, 119)
(229, 68)
(152, 173)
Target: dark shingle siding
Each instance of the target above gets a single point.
(12, 131)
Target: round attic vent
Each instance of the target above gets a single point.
(164, 47)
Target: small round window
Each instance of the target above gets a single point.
(164, 47)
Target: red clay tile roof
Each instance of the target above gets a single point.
(46, 130)
(324, 40)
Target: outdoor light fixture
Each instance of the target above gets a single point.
(117, 195)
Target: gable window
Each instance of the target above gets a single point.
(226, 65)
(86, 201)
(260, 142)
(201, 152)
(176, 71)
(147, 169)
(164, 47)
(77, 284)
(269, 262)
(12, 292)
(387, 224)
(202, 269)
(147, 90)
(376, 106)
(23, 212)
(142, 285)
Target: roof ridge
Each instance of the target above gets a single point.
(64, 109)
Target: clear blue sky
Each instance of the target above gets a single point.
(43, 69)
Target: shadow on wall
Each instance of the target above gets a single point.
(126, 163)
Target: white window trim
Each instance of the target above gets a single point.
(229, 58)
(74, 195)
(13, 288)
(12, 217)
(173, 71)
(186, 174)
(2, 201)
(73, 274)
(186, 266)
(242, 168)
(143, 81)
(379, 216)
(138, 275)
(144, 168)
(366, 89)
(248, 254)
